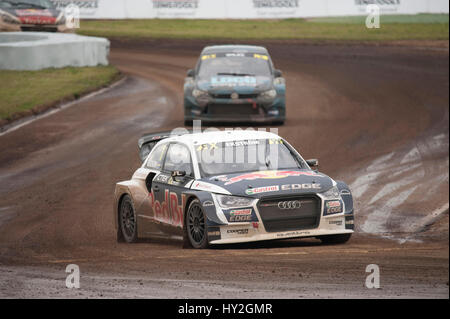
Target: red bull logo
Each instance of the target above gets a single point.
(264, 175)
(169, 211)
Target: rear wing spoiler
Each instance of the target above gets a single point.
(148, 141)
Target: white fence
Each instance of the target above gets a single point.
(39, 50)
(245, 9)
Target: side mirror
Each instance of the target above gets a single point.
(176, 175)
(190, 73)
(313, 163)
(277, 73)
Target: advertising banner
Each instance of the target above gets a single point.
(245, 9)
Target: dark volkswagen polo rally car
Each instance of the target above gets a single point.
(234, 83)
(31, 15)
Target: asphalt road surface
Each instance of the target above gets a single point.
(375, 116)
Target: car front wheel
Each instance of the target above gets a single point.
(195, 226)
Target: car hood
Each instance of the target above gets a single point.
(222, 84)
(30, 14)
(270, 183)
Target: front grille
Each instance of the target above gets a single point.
(241, 96)
(230, 110)
(275, 219)
(38, 28)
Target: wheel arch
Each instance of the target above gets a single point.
(346, 195)
(190, 198)
(121, 190)
(210, 210)
(119, 202)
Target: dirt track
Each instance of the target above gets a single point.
(375, 116)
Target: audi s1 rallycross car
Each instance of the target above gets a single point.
(229, 187)
(31, 15)
(234, 83)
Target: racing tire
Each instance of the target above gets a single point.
(335, 239)
(127, 220)
(120, 238)
(195, 230)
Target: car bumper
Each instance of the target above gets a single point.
(235, 111)
(237, 119)
(247, 232)
(269, 224)
(33, 27)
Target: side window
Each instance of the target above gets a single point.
(156, 158)
(178, 159)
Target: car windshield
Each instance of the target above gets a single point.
(246, 156)
(26, 4)
(234, 64)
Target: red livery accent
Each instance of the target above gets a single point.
(169, 211)
(33, 16)
(265, 175)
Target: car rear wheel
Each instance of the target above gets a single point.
(335, 239)
(195, 226)
(127, 220)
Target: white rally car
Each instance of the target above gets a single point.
(229, 187)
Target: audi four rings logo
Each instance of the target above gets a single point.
(294, 204)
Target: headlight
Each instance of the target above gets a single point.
(199, 94)
(270, 94)
(9, 19)
(226, 201)
(332, 193)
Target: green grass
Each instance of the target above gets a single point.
(406, 27)
(24, 91)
